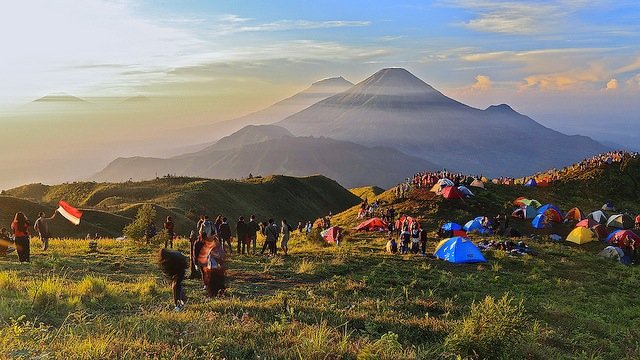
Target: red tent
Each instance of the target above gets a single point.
(459, 233)
(372, 225)
(452, 192)
(621, 236)
(331, 234)
(600, 230)
(587, 223)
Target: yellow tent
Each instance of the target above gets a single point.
(581, 235)
(437, 188)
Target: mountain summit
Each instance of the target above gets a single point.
(394, 108)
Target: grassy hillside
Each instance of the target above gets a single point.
(321, 302)
(367, 192)
(296, 199)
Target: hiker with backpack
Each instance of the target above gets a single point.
(271, 234)
(286, 233)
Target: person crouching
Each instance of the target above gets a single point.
(174, 265)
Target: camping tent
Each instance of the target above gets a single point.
(611, 235)
(446, 182)
(540, 222)
(600, 230)
(611, 252)
(437, 188)
(477, 183)
(581, 235)
(608, 207)
(372, 224)
(475, 225)
(522, 201)
(624, 235)
(587, 223)
(551, 212)
(574, 214)
(525, 212)
(543, 209)
(331, 234)
(459, 250)
(531, 182)
(451, 226)
(598, 216)
(452, 192)
(620, 221)
(465, 191)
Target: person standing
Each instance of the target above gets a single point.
(150, 232)
(20, 228)
(252, 232)
(42, 227)
(225, 234)
(286, 233)
(271, 232)
(423, 242)
(169, 226)
(241, 234)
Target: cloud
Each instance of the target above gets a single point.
(612, 84)
(232, 24)
(518, 18)
(634, 82)
(482, 83)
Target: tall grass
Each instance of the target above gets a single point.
(47, 293)
(9, 280)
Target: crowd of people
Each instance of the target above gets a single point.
(427, 179)
(18, 239)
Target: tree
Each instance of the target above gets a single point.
(136, 229)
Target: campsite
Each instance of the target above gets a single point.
(351, 300)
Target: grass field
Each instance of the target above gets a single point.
(321, 302)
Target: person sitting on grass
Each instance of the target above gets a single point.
(392, 246)
(5, 242)
(174, 265)
(405, 238)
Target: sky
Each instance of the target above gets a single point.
(572, 65)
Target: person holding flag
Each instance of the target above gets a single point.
(42, 227)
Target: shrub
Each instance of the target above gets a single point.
(492, 329)
(135, 230)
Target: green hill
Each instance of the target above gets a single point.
(368, 192)
(114, 204)
(587, 190)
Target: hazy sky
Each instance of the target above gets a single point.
(573, 65)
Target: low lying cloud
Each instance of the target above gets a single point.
(483, 83)
(612, 84)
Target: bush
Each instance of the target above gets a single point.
(492, 329)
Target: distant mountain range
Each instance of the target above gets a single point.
(396, 109)
(269, 149)
(376, 132)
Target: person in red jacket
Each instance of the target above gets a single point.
(21, 236)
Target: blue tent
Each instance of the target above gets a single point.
(451, 226)
(459, 250)
(543, 209)
(539, 222)
(472, 225)
(531, 182)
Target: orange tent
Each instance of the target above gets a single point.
(574, 214)
(372, 224)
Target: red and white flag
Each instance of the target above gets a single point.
(69, 212)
